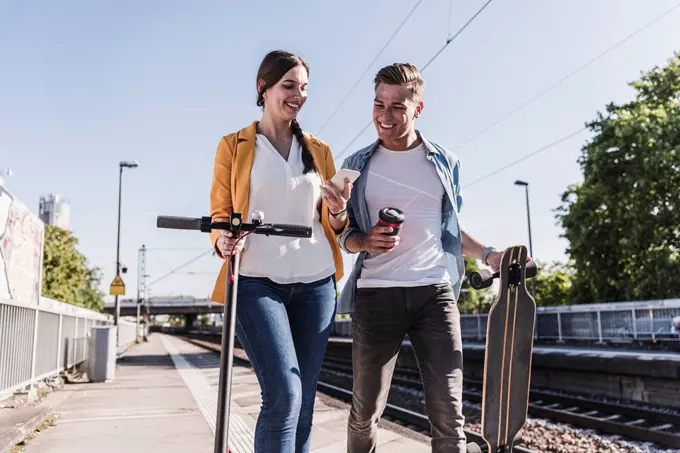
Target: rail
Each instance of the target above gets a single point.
(403, 415)
(638, 423)
(38, 341)
(646, 321)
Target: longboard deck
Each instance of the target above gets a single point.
(509, 348)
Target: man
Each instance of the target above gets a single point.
(409, 283)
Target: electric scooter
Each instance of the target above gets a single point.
(240, 230)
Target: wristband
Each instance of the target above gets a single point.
(485, 254)
(337, 214)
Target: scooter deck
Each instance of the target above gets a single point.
(509, 349)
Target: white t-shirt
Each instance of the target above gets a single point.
(284, 195)
(408, 181)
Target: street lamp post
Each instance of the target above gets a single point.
(531, 248)
(121, 165)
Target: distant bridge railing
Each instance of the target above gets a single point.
(166, 301)
(38, 341)
(161, 305)
(647, 321)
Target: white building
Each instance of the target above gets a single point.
(55, 210)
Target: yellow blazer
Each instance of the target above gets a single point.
(230, 190)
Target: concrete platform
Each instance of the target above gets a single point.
(146, 409)
(164, 399)
(330, 416)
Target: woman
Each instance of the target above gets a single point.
(287, 293)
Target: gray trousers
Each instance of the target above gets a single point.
(381, 320)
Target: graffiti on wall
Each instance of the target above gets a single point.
(21, 249)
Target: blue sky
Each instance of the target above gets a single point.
(84, 85)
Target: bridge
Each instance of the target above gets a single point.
(166, 306)
(610, 322)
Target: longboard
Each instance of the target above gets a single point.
(509, 349)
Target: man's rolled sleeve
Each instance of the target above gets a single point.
(457, 188)
(342, 240)
(352, 227)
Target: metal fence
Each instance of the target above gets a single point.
(609, 322)
(39, 341)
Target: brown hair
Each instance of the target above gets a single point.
(402, 74)
(273, 67)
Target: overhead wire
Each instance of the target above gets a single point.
(173, 271)
(539, 95)
(448, 28)
(526, 156)
(565, 78)
(156, 258)
(449, 40)
(550, 88)
(150, 249)
(157, 262)
(356, 84)
(196, 273)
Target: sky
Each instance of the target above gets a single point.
(84, 85)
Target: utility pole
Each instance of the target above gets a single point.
(141, 285)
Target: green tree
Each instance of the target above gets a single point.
(472, 300)
(553, 284)
(623, 221)
(66, 276)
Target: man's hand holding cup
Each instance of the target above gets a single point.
(383, 237)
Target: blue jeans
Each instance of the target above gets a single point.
(284, 329)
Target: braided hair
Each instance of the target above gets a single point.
(273, 67)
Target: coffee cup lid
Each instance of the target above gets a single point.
(393, 214)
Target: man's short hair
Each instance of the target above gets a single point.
(402, 74)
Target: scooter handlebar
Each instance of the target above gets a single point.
(178, 223)
(205, 224)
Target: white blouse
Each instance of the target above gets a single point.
(284, 195)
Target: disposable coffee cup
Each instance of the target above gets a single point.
(391, 217)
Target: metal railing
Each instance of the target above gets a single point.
(167, 302)
(646, 321)
(127, 334)
(38, 341)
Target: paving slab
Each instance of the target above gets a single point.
(146, 409)
(329, 431)
(17, 423)
(164, 399)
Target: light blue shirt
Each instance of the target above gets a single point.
(448, 169)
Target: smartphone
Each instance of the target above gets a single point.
(339, 178)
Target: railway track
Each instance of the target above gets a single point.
(396, 413)
(636, 423)
(631, 422)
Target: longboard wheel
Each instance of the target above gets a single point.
(473, 447)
